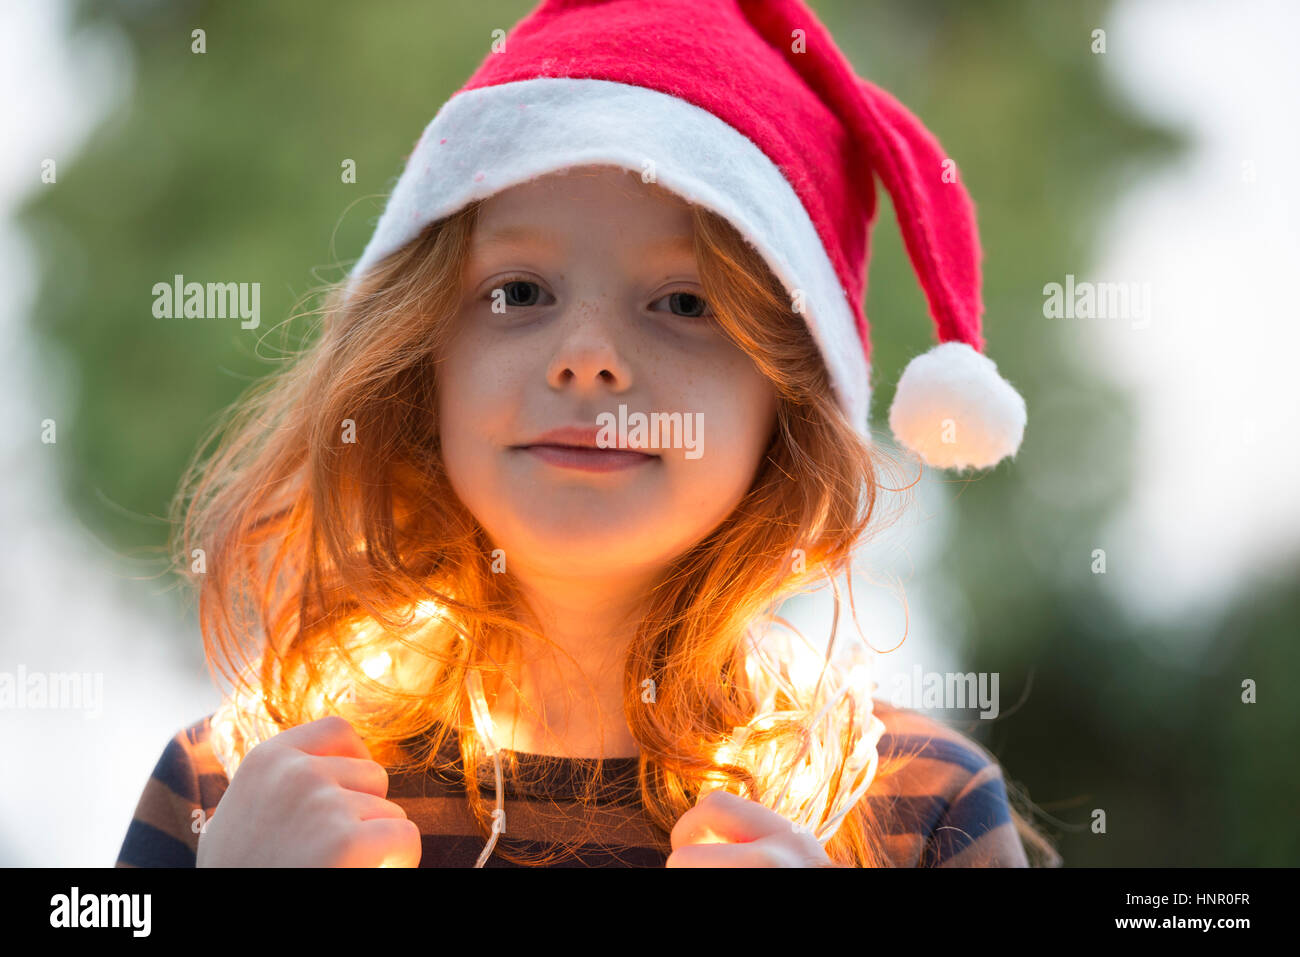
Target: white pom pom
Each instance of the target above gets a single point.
(954, 410)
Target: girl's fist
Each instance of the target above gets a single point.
(726, 830)
(311, 796)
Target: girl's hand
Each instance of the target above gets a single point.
(726, 830)
(310, 796)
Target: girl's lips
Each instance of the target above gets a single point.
(588, 460)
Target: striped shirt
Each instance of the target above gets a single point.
(944, 807)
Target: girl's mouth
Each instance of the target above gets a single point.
(588, 460)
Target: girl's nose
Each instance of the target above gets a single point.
(589, 352)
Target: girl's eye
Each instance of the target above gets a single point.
(522, 293)
(691, 305)
(518, 293)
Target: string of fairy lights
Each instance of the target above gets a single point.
(826, 694)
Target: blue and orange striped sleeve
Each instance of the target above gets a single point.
(977, 830)
(181, 793)
(947, 804)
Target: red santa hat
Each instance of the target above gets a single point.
(748, 108)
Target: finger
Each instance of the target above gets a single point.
(368, 807)
(355, 774)
(718, 855)
(388, 842)
(721, 815)
(330, 735)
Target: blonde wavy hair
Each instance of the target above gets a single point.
(320, 553)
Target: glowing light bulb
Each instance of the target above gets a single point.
(428, 609)
(376, 665)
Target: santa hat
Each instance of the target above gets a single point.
(748, 108)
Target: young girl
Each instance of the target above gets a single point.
(591, 406)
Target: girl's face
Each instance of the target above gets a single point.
(595, 308)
